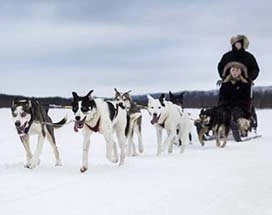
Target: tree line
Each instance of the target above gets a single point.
(262, 98)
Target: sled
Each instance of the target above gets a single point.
(235, 133)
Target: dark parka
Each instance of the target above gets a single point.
(236, 96)
(243, 57)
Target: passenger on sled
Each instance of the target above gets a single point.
(235, 94)
(238, 69)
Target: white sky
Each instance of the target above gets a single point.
(51, 48)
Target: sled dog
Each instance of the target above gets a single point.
(168, 116)
(97, 115)
(135, 119)
(31, 118)
(218, 120)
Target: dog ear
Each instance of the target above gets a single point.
(28, 103)
(116, 91)
(149, 97)
(75, 95)
(162, 99)
(89, 95)
(14, 102)
(162, 96)
(171, 96)
(128, 92)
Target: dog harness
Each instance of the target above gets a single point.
(95, 128)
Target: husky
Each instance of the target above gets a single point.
(97, 115)
(31, 118)
(135, 118)
(178, 100)
(168, 116)
(217, 119)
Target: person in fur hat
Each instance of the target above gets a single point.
(235, 91)
(239, 54)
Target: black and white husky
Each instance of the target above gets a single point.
(31, 118)
(135, 120)
(97, 115)
(168, 116)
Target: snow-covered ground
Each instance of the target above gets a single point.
(236, 180)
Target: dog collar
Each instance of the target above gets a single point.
(162, 125)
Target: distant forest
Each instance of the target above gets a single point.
(262, 98)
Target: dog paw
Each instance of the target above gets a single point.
(58, 163)
(134, 154)
(141, 149)
(83, 169)
(122, 161)
(32, 165)
(114, 160)
(27, 165)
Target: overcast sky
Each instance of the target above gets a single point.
(51, 48)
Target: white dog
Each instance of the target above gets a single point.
(168, 116)
(97, 115)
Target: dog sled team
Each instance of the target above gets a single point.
(120, 119)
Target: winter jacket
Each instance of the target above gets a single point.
(235, 95)
(244, 58)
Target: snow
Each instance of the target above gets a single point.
(202, 180)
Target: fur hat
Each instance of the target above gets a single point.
(236, 65)
(239, 37)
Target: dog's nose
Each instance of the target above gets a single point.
(155, 114)
(77, 118)
(17, 123)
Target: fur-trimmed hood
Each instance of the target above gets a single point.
(239, 37)
(236, 65)
(226, 73)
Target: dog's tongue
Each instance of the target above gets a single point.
(154, 120)
(76, 127)
(21, 130)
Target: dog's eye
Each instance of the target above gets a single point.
(75, 109)
(152, 107)
(23, 114)
(84, 109)
(159, 107)
(14, 114)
